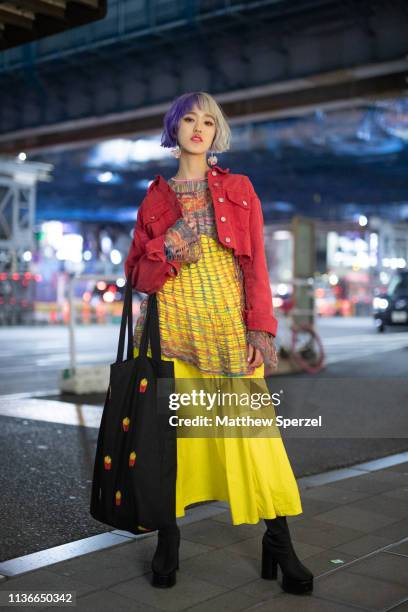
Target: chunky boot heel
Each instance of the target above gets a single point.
(166, 558)
(277, 549)
(164, 581)
(296, 586)
(269, 566)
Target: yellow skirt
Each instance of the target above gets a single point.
(252, 474)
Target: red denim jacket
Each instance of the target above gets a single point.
(239, 222)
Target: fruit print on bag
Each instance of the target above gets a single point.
(132, 459)
(107, 462)
(125, 424)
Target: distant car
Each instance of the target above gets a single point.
(391, 308)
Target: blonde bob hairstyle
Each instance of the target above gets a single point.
(184, 104)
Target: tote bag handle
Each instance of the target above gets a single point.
(127, 316)
(150, 328)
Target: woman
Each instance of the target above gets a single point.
(198, 243)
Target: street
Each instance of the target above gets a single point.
(31, 357)
(47, 466)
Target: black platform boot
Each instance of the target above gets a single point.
(277, 549)
(166, 558)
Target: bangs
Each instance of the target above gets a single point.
(185, 103)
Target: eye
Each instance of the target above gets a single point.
(188, 119)
(209, 123)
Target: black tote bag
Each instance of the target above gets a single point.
(134, 479)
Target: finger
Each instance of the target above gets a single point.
(250, 353)
(258, 360)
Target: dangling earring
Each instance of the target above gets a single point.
(176, 152)
(212, 160)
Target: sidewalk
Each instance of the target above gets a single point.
(353, 535)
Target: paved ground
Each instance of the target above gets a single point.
(353, 535)
(48, 451)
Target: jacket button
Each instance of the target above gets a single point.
(245, 203)
(214, 173)
(152, 216)
(216, 184)
(227, 239)
(223, 219)
(220, 199)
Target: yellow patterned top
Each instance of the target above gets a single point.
(200, 309)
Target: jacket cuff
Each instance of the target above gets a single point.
(173, 268)
(259, 320)
(155, 249)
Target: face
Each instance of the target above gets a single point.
(199, 124)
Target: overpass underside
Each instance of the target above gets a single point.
(260, 60)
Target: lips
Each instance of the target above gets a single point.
(197, 139)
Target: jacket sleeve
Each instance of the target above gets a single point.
(258, 314)
(146, 260)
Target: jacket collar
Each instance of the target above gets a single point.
(161, 184)
(222, 170)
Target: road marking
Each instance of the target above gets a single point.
(354, 340)
(52, 411)
(30, 394)
(336, 358)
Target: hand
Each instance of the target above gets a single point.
(255, 358)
